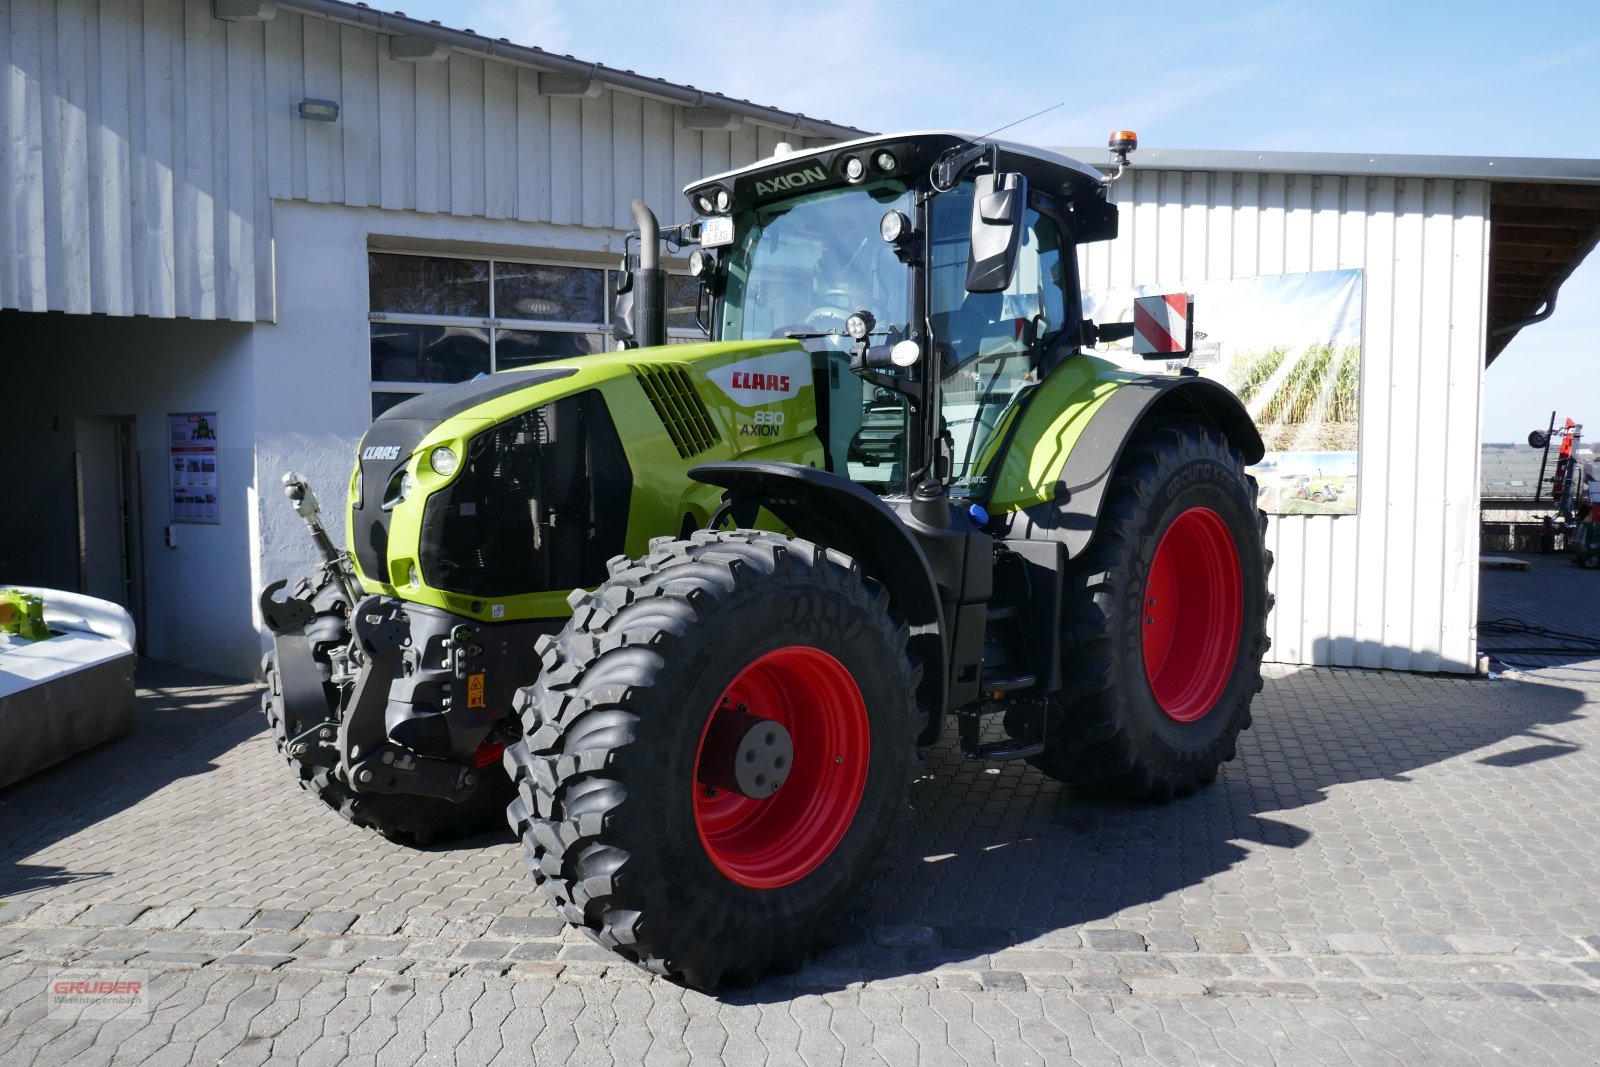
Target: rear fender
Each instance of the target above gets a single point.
(837, 513)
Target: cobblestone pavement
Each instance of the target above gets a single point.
(1398, 868)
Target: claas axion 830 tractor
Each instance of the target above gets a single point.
(690, 610)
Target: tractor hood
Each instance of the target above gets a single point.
(494, 498)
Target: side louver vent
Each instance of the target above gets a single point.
(682, 411)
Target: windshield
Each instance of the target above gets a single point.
(803, 265)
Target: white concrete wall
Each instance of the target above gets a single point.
(56, 368)
(311, 376)
(1396, 584)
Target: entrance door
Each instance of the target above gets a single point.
(110, 560)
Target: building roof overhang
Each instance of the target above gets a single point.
(1544, 213)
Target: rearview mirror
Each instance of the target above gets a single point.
(996, 234)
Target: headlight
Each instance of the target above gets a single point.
(854, 169)
(703, 204)
(886, 162)
(443, 461)
(413, 576)
(894, 227)
(355, 490)
(860, 324)
(724, 200)
(701, 263)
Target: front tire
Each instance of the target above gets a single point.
(638, 799)
(1164, 627)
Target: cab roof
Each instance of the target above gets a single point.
(1044, 169)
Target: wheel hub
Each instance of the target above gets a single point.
(746, 753)
(1193, 615)
(775, 792)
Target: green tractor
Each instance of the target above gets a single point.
(691, 610)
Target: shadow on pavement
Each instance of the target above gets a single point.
(183, 720)
(1001, 856)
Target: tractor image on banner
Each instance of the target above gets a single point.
(685, 614)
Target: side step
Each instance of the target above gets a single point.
(997, 686)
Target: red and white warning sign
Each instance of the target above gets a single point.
(1161, 324)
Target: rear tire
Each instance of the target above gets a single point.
(619, 823)
(1155, 696)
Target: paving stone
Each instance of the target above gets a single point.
(1155, 986)
(1221, 941)
(981, 937)
(274, 943)
(278, 920)
(586, 951)
(1016, 959)
(1562, 991)
(1482, 944)
(431, 950)
(426, 926)
(1549, 945)
(260, 961)
(536, 970)
(827, 978)
(325, 965)
(56, 938)
(1114, 940)
(1002, 980)
(56, 914)
(487, 967)
(1291, 967)
(1345, 990)
(328, 923)
(1094, 983)
(168, 959)
(487, 950)
(535, 950)
(1590, 968)
(384, 966)
(523, 927)
(1043, 938)
(165, 917)
(1509, 989)
(1451, 990)
(173, 939)
(1170, 941)
(109, 955)
(960, 983)
(1370, 943)
(905, 936)
(13, 911)
(378, 924)
(111, 914)
(1422, 945)
(219, 918)
(467, 927)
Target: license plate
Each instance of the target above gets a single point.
(716, 232)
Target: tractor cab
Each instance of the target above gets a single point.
(931, 277)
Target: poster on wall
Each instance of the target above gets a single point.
(1289, 347)
(192, 466)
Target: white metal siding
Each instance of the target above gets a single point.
(142, 143)
(1395, 585)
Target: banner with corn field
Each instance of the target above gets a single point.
(1289, 346)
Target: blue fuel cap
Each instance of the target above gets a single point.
(978, 514)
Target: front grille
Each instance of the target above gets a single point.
(680, 408)
(541, 503)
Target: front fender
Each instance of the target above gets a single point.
(1062, 455)
(837, 513)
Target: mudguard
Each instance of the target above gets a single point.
(837, 513)
(1079, 491)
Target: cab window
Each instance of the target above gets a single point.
(989, 344)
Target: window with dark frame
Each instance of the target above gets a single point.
(437, 318)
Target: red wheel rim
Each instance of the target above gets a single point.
(776, 841)
(1193, 614)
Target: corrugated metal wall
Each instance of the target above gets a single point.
(1395, 585)
(142, 142)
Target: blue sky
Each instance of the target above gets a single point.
(1418, 76)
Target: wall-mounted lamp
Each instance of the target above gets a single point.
(319, 110)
